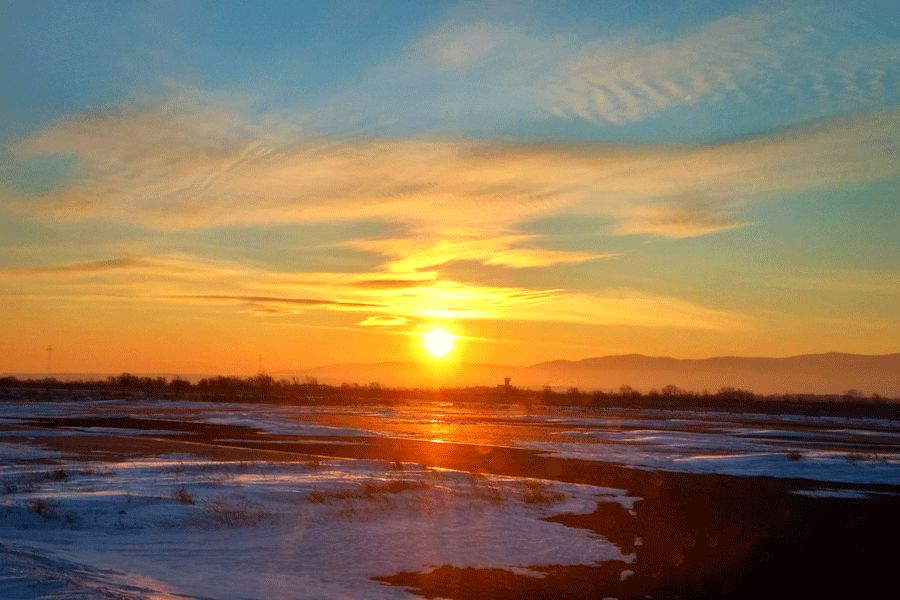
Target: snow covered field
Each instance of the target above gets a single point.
(824, 455)
(179, 523)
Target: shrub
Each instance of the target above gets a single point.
(317, 497)
(183, 496)
(485, 489)
(43, 509)
(70, 520)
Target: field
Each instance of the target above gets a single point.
(186, 499)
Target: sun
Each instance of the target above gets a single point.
(438, 342)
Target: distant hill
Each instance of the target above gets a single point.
(831, 373)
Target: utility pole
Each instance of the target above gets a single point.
(49, 359)
(259, 358)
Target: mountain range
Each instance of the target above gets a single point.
(830, 373)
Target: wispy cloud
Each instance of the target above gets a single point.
(457, 45)
(126, 264)
(425, 251)
(387, 305)
(192, 166)
(277, 300)
(186, 166)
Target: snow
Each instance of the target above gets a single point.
(124, 431)
(17, 452)
(281, 420)
(833, 493)
(26, 575)
(266, 530)
(836, 449)
(786, 446)
(735, 460)
(72, 529)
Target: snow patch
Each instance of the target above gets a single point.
(254, 529)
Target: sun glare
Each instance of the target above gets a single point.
(438, 342)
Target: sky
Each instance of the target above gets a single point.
(211, 187)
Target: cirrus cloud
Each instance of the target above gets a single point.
(178, 166)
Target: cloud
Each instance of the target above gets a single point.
(387, 283)
(824, 57)
(276, 300)
(192, 166)
(127, 264)
(459, 46)
(628, 79)
(391, 321)
(98, 266)
(415, 253)
(183, 167)
(685, 219)
(393, 303)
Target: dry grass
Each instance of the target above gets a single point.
(368, 491)
(49, 511)
(394, 486)
(485, 489)
(538, 492)
(236, 513)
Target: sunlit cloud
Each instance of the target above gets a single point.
(173, 167)
(429, 250)
(187, 166)
(404, 305)
(336, 304)
(391, 321)
(166, 265)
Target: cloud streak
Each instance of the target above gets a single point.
(390, 304)
(174, 167)
(126, 264)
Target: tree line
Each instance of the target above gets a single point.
(265, 388)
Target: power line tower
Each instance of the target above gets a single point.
(49, 359)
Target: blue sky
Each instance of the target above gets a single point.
(306, 56)
(687, 178)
